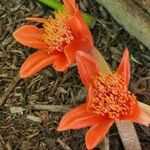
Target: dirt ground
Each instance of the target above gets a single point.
(24, 127)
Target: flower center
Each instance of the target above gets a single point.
(57, 34)
(109, 97)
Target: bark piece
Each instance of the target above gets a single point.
(133, 19)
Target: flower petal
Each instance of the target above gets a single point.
(97, 132)
(79, 28)
(77, 118)
(103, 67)
(31, 36)
(61, 63)
(124, 67)
(77, 44)
(87, 68)
(85, 121)
(35, 63)
(70, 5)
(144, 107)
(139, 116)
(40, 20)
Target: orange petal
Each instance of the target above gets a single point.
(87, 68)
(35, 63)
(76, 44)
(104, 68)
(124, 67)
(139, 116)
(40, 20)
(85, 121)
(97, 132)
(79, 28)
(70, 5)
(77, 118)
(31, 36)
(142, 118)
(61, 63)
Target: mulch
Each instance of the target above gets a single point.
(25, 128)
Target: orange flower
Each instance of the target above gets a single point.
(57, 42)
(108, 100)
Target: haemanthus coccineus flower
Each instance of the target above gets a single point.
(108, 100)
(57, 42)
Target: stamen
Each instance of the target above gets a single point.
(109, 97)
(57, 33)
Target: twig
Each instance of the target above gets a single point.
(106, 140)
(9, 90)
(104, 145)
(52, 108)
(64, 145)
(135, 87)
(133, 19)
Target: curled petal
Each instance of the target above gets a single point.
(70, 5)
(40, 20)
(31, 36)
(77, 118)
(139, 116)
(97, 132)
(79, 27)
(124, 67)
(35, 63)
(103, 67)
(87, 68)
(142, 118)
(76, 44)
(61, 63)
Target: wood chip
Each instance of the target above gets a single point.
(34, 118)
(14, 110)
(64, 145)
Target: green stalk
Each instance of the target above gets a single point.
(54, 4)
(88, 18)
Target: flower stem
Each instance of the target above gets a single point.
(54, 4)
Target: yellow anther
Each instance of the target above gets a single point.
(57, 34)
(109, 96)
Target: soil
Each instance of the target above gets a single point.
(23, 127)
